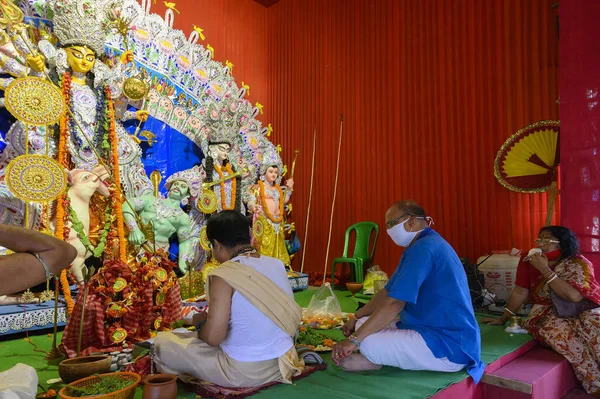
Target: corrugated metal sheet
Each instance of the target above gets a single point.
(429, 91)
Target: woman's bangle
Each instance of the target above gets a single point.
(554, 276)
(510, 311)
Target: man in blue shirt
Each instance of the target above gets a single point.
(429, 293)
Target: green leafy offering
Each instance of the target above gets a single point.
(308, 336)
(103, 386)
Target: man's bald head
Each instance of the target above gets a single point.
(410, 207)
(406, 209)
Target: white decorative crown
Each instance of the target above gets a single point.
(83, 22)
(270, 157)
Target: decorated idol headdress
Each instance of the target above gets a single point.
(271, 158)
(193, 177)
(216, 135)
(82, 22)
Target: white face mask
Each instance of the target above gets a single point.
(400, 236)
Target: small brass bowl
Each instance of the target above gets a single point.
(515, 321)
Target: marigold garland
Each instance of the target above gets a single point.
(231, 205)
(64, 282)
(263, 199)
(118, 200)
(62, 229)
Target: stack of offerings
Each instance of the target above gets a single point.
(120, 360)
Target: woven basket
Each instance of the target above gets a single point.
(125, 393)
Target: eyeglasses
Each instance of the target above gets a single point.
(394, 222)
(546, 241)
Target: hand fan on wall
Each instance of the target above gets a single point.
(528, 161)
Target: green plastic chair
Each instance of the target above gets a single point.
(363, 250)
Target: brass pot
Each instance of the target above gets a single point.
(77, 368)
(515, 321)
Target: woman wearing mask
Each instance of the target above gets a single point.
(566, 295)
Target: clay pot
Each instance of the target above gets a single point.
(80, 367)
(354, 287)
(160, 386)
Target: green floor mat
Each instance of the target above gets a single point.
(331, 383)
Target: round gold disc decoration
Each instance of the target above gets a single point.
(259, 227)
(118, 335)
(35, 101)
(204, 243)
(208, 202)
(135, 89)
(35, 178)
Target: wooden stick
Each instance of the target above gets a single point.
(551, 200)
(312, 175)
(294, 164)
(335, 183)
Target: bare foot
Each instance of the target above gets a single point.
(357, 362)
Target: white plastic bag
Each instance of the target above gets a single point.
(324, 304)
(19, 382)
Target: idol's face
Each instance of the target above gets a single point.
(80, 58)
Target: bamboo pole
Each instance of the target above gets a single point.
(312, 175)
(337, 170)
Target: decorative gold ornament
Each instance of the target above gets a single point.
(120, 284)
(135, 88)
(208, 202)
(161, 275)
(28, 297)
(160, 298)
(155, 178)
(10, 14)
(35, 101)
(35, 178)
(118, 335)
(204, 242)
(259, 227)
(157, 323)
(47, 295)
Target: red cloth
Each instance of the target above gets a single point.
(527, 275)
(138, 321)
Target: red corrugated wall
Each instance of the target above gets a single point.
(429, 91)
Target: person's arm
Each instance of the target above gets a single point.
(367, 310)
(214, 331)
(562, 288)
(56, 253)
(517, 298)
(387, 311)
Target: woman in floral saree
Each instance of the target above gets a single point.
(562, 269)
